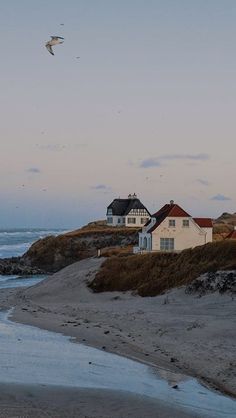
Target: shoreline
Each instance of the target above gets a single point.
(174, 373)
(53, 401)
(118, 323)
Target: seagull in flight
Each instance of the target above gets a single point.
(55, 40)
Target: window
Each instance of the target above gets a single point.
(131, 221)
(109, 211)
(110, 220)
(144, 220)
(138, 212)
(185, 223)
(166, 244)
(118, 221)
(123, 220)
(171, 222)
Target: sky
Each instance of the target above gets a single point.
(148, 107)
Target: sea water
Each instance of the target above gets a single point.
(29, 355)
(14, 243)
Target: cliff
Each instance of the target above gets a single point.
(54, 253)
(51, 254)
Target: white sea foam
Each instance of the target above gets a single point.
(15, 242)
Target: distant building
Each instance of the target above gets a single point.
(127, 212)
(232, 234)
(173, 229)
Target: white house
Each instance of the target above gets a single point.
(127, 212)
(173, 229)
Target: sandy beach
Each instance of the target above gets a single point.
(175, 332)
(20, 401)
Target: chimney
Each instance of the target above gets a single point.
(132, 196)
(172, 202)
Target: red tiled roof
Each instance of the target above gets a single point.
(232, 235)
(163, 209)
(177, 211)
(171, 210)
(204, 222)
(174, 210)
(168, 210)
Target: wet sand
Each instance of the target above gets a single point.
(177, 332)
(19, 401)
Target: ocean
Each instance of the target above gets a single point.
(14, 243)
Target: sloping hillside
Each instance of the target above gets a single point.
(223, 225)
(152, 274)
(53, 253)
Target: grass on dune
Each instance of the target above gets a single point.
(153, 274)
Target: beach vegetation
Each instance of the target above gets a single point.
(151, 274)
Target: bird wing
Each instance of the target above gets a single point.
(49, 48)
(57, 37)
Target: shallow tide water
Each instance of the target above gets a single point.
(29, 355)
(13, 281)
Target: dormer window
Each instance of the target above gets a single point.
(109, 211)
(171, 223)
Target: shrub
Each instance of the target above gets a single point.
(153, 274)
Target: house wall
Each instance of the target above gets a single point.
(145, 242)
(185, 237)
(209, 234)
(138, 219)
(124, 220)
(115, 220)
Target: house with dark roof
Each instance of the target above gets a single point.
(172, 229)
(127, 212)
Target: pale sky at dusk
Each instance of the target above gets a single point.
(149, 107)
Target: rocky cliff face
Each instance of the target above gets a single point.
(53, 253)
(16, 266)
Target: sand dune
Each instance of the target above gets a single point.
(179, 332)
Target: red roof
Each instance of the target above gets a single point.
(232, 235)
(174, 210)
(170, 209)
(204, 222)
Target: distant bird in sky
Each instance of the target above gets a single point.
(56, 40)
